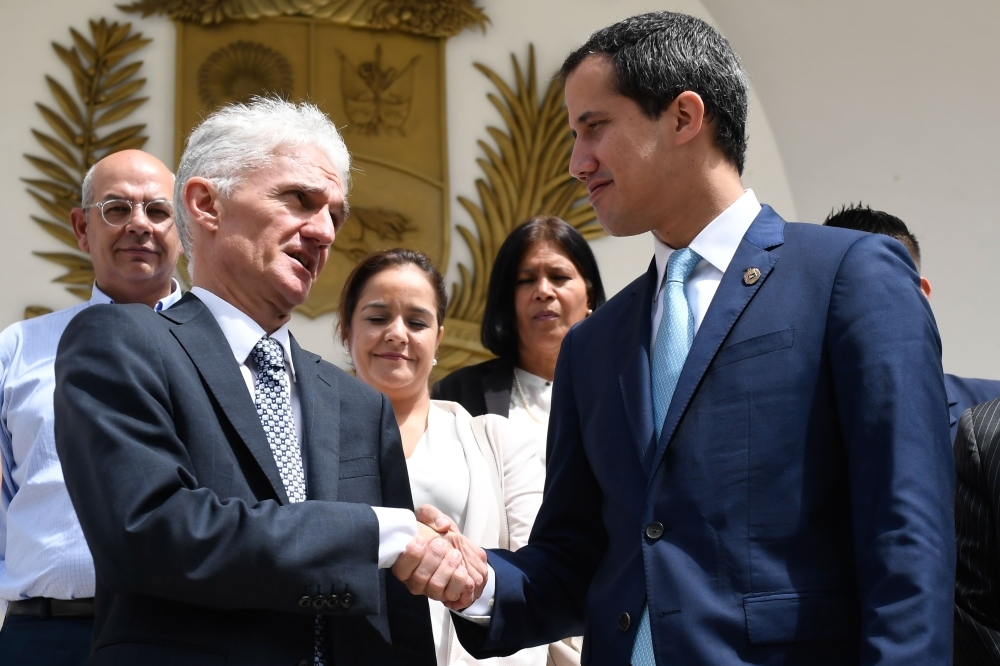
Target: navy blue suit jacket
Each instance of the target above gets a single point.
(803, 479)
(964, 393)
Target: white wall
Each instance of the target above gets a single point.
(555, 27)
(894, 103)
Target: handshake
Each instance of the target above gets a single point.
(441, 563)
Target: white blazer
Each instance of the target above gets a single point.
(523, 477)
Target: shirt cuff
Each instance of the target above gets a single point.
(482, 608)
(396, 529)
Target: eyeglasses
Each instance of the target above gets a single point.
(118, 212)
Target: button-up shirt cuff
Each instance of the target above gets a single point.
(396, 529)
(482, 608)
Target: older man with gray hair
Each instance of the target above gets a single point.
(241, 496)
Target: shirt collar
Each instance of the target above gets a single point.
(717, 243)
(98, 297)
(242, 333)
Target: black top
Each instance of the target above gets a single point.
(481, 389)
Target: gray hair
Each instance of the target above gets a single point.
(240, 138)
(87, 188)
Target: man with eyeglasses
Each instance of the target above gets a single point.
(46, 571)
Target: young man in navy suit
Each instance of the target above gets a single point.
(748, 448)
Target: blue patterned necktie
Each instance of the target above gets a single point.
(273, 399)
(670, 351)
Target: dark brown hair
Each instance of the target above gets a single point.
(657, 56)
(374, 264)
(499, 330)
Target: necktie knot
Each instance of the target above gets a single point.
(268, 354)
(680, 264)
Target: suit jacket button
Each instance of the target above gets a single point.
(654, 530)
(305, 602)
(624, 622)
(346, 599)
(319, 601)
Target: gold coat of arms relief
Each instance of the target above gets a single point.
(377, 68)
(385, 89)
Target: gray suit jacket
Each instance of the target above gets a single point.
(200, 558)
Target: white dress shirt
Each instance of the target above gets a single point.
(529, 413)
(396, 527)
(42, 549)
(438, 470)
(716, 245)
(439, 475)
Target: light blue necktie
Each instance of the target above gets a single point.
(670, 351)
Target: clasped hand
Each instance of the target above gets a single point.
(441, 563)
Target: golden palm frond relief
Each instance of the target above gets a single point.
(431, 18)
(106, 93)
(526, 174)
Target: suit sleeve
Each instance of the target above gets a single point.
(977, 630)
(152, 528)
(885, 357)
(541, 589)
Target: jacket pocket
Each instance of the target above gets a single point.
(354, 467)
(792, 617)
(761, 344)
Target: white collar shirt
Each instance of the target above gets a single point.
(242, 333)
(43, 552)
(716, 245)
(98, 297)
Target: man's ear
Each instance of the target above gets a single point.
(925, 286)
(78, 220)
(687, 115)
(202, 201)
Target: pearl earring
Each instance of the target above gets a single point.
(434, 362)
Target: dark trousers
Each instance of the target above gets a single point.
(26, 640)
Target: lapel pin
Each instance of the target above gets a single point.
(751, 276)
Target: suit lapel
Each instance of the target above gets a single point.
(632, 343)
(731, 298)
(207, 347)
(320, 403)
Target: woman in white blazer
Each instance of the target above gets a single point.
(476, 470)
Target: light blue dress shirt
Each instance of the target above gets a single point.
(42, 549)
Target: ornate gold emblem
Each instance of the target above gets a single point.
(370, 228)
(751, 276)
(376, 98)
(237, 72)
(106, 92)
(385, 88)
(431, 18)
